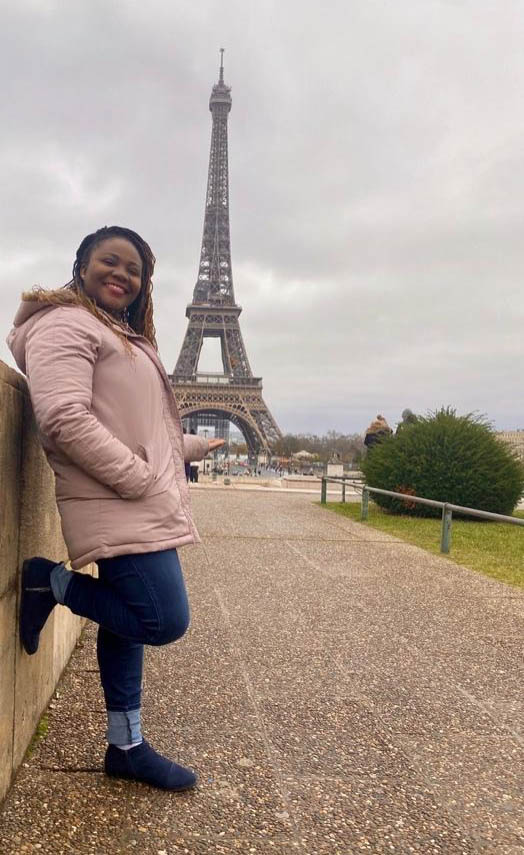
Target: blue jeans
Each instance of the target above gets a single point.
(137, 600)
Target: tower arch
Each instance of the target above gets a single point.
(249, 430)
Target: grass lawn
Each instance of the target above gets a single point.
(496, 549)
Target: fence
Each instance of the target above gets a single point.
(447, 507)
(350, 480)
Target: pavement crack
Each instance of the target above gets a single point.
(259, 717)
(308, 561)
(485, 709)
(71, 769)
(388, 739)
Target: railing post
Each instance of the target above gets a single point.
(445, 537)
(343, 491)
(364, 507)
(323, 491)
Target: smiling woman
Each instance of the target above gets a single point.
(112, 433)
(109, 261)
(112, 275)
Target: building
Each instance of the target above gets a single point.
(515, 438)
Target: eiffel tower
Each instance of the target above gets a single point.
(234, 395)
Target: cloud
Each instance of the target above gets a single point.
(377, 186)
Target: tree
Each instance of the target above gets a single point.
(449, 458)
(237, 448)
(348, 446)
(286, 445)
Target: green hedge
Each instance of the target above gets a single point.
(450, 458)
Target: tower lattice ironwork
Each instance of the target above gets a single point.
(234, 394)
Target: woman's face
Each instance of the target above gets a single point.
(112, 276)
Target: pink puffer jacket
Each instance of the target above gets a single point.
(110, 427)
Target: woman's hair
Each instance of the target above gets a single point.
(378, 424)
(139, 313)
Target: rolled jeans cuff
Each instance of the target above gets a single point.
(123, 727)
(60, 579)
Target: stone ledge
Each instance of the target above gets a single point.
(12, 378)
(30, 525)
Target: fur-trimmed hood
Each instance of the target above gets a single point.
(37, 299)
(33, 306)
(29, 311)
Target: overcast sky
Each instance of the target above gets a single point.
(376, 177)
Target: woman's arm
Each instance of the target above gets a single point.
(61, 352)
(195, 447)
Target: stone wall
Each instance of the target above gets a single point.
(29, 525)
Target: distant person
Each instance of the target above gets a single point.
(187, 466)
(408, 418)
(193, 467)
(377, 431)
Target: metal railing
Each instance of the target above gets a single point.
(350, 480)
(447, 507)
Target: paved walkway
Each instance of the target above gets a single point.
(339, 692)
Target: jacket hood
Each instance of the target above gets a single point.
(34, 304)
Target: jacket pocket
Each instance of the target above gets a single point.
(72, 482)
(141, 451)
(159, 483)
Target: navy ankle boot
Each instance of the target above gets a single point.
(142, 763)
(37, 601)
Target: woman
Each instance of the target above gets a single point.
(377, 431)
(109, 425)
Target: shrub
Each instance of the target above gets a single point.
(450, 458)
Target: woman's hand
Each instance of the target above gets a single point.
(215, 443)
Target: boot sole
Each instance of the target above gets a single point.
(124, 777)
(23, 640)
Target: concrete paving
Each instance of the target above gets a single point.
(338, 692)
